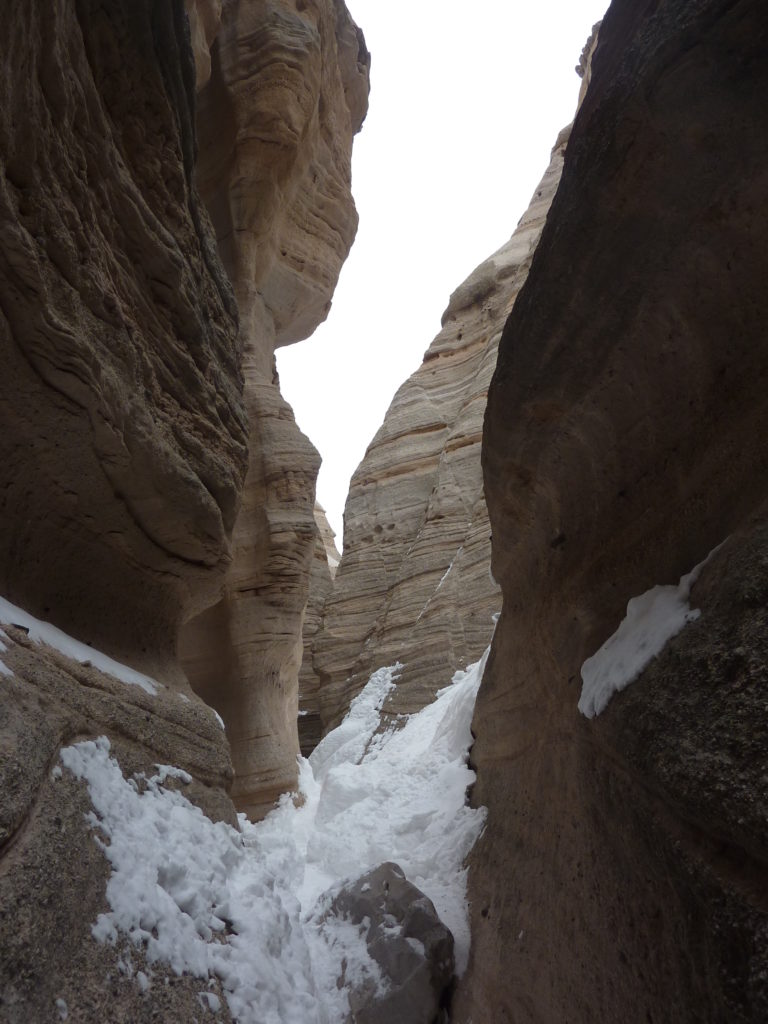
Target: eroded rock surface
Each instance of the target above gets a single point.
(53, 874)
(325, 562)
(287, 93)
(147, 461)
(413, 585)
(122, 426)
(406, 938)
(622, 872)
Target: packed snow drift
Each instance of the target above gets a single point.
(652, 620)
(250, 908)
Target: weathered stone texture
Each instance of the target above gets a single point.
(325, 561)
(622, 872)
(408, 941)
(287, 93)
(53, 874)
(122, 428)
(413, 585)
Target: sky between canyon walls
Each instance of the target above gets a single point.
(466, 103)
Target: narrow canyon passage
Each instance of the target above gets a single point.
(504, 757)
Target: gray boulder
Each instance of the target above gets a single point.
(407, 940)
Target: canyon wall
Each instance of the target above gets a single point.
(123, 430)
(155, 493)
(413, 584)
(621, 876)
(287, 92)
(325, 562)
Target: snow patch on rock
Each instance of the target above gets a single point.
(652, 620)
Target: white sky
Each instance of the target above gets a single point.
(466, 102)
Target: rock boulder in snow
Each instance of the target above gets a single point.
(406, 938)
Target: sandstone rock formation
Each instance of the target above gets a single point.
(288, 91)
(147, 460)
(325, 562)
(122, 427)
(621, 875)
(413, 584)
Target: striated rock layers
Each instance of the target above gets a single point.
(325, 562)
(622, 873)
(122, 426)
(147, 461)
(288, 90)
(122, 455)
(413, 584)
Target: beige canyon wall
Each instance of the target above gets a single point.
(621, 876)
(287, 92)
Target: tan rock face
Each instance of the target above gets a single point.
(619, 877)
(53, 874)
(288, 91)
(325, 561)
(413, 584)
(204, 21)
(122, 427)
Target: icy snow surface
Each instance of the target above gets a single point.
(248, 907)
(652, 619)
(4, 670)
(45, 633)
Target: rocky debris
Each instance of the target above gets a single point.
(406, 938)
(287, 93)
(621, 875)
(413, 584)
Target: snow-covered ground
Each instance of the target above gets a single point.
(248, 907)
(652, 620)
(44, 632)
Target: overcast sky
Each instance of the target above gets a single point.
(466, 103)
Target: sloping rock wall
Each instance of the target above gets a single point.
(288, 91)
(122, 426)
(622, 872)
(122, 456)
(413, 584)
(147, 461)
(325, 562)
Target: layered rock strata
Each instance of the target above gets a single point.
(622, 872)
(147, 461)
(413, 585)
(325, 562)
(122, 427)
(287, 92)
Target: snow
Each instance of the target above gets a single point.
(4, 670)
(249, 907)
(45, 633)
(652, 619)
